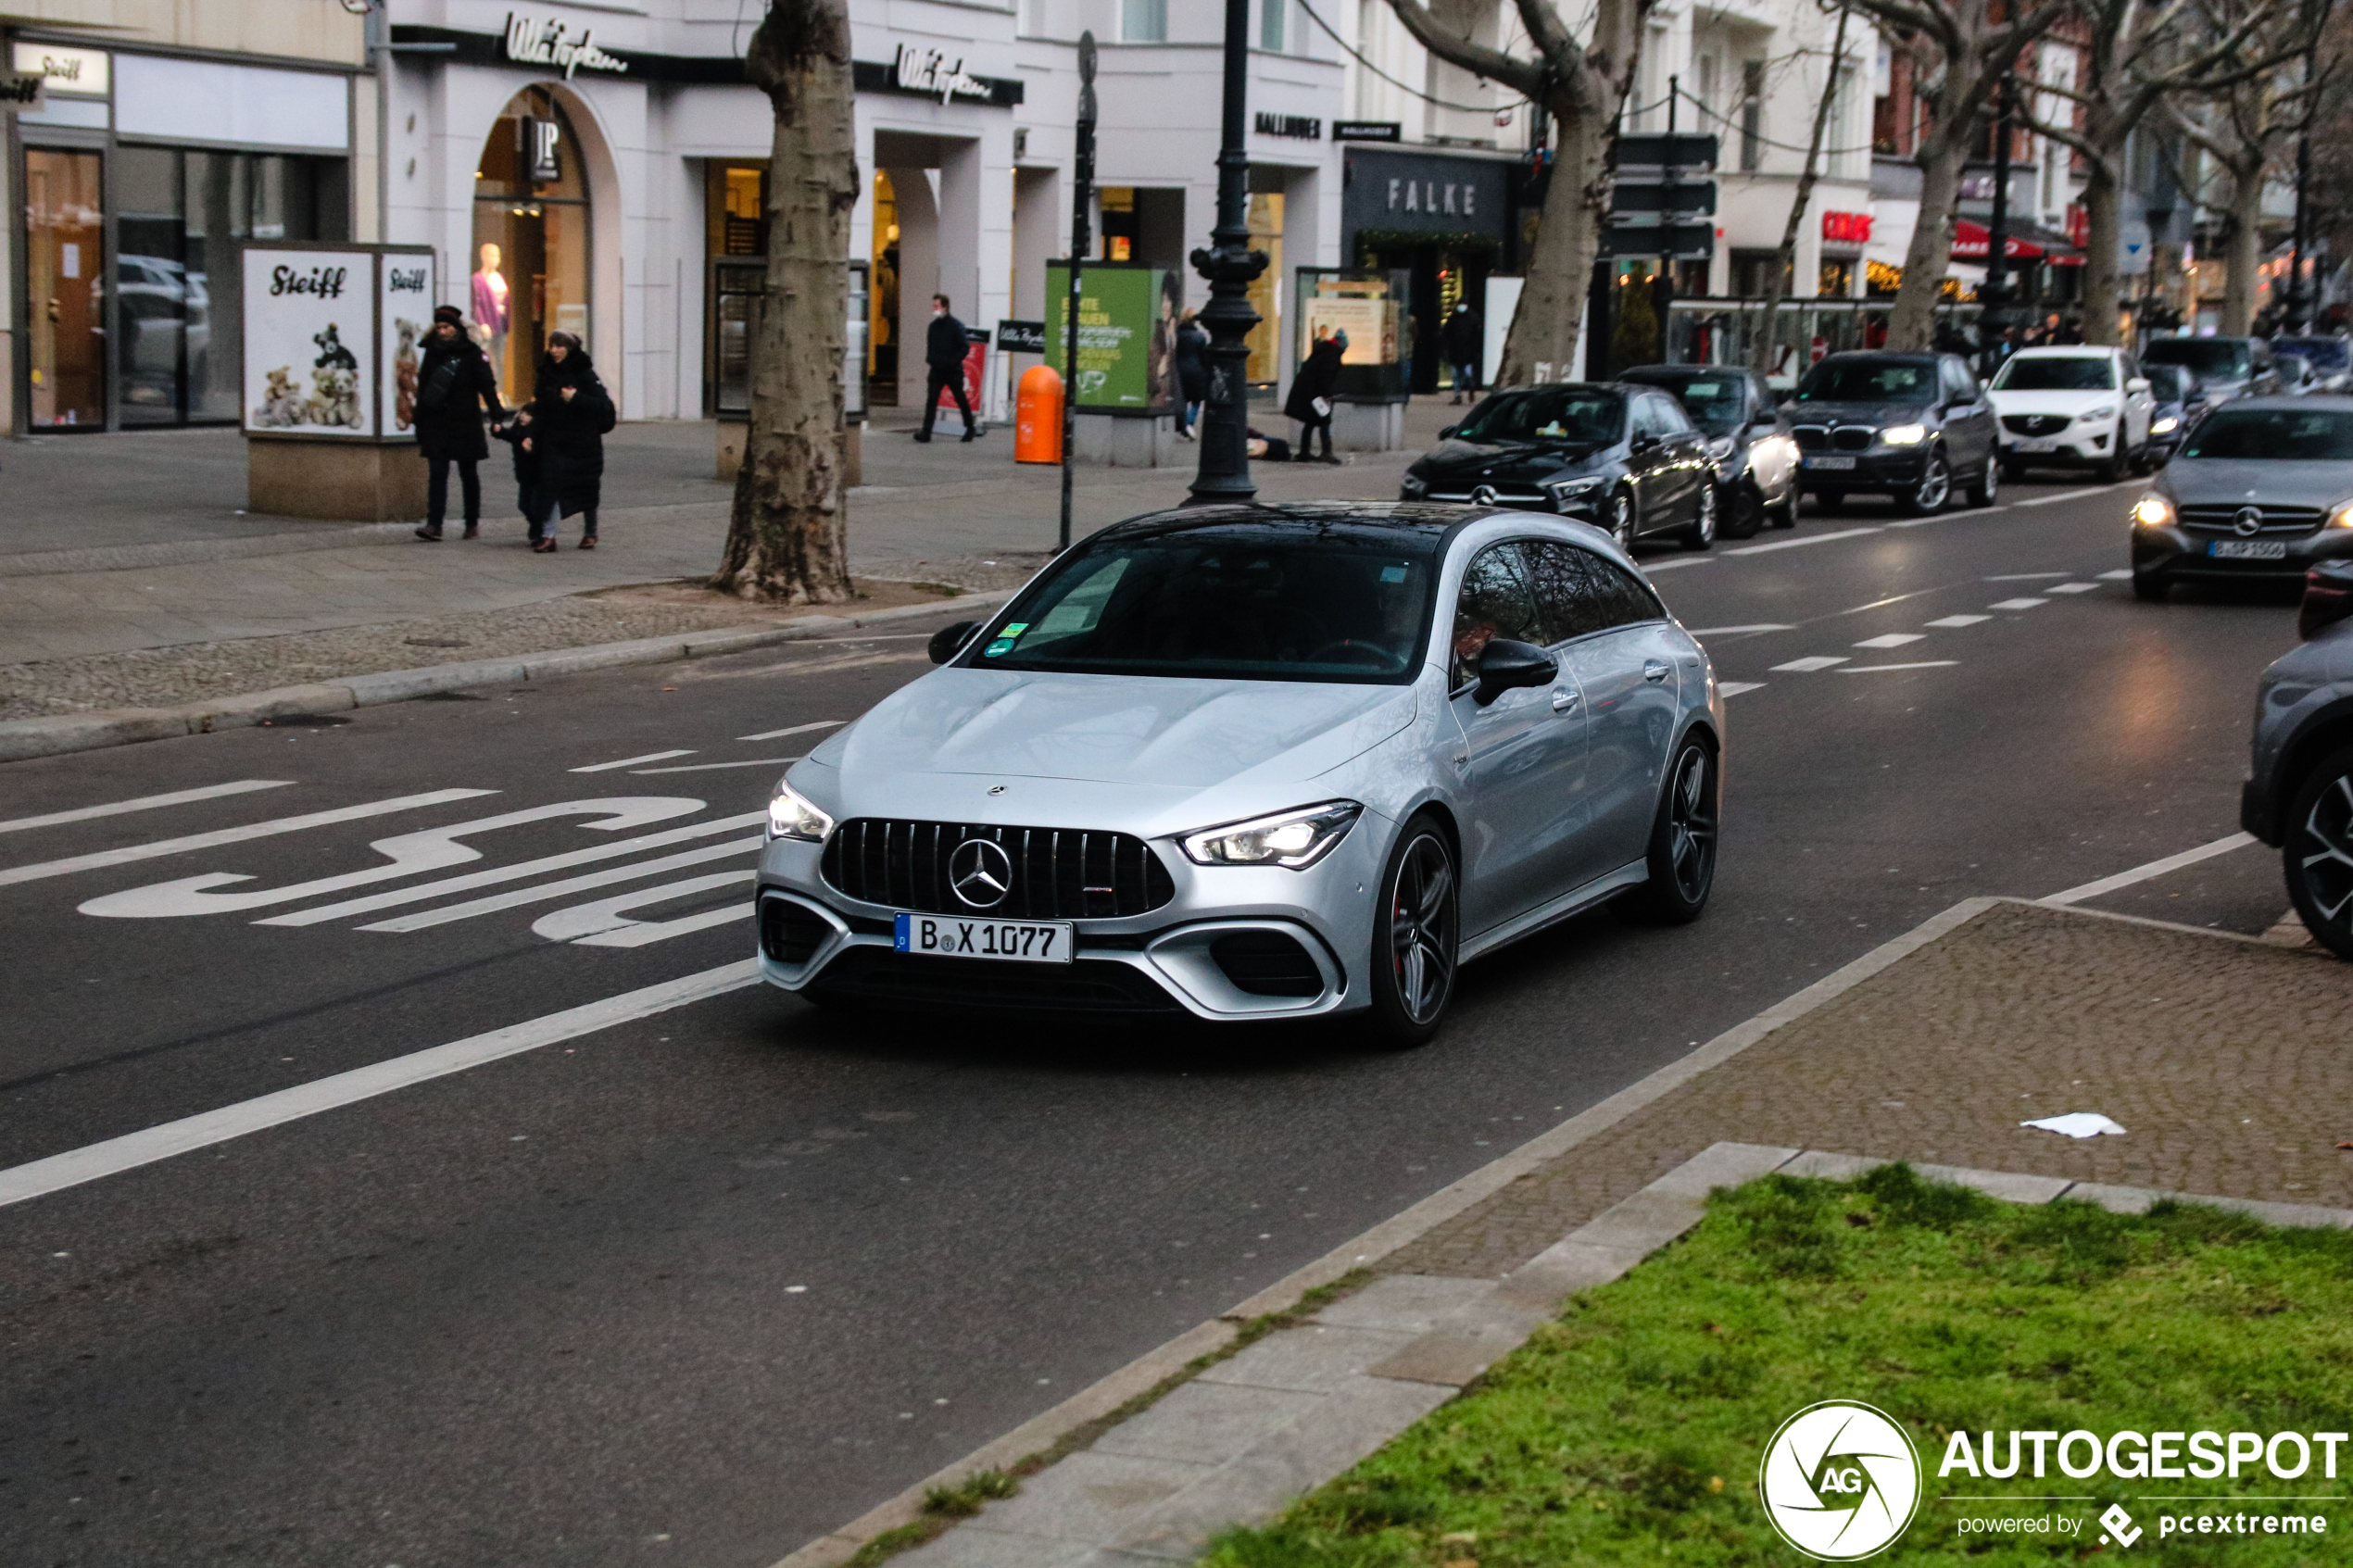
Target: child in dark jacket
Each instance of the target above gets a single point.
(516, 433)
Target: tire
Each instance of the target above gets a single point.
(2112, 470)
(1828, 500)
(1701, 534)
(1624, 520)
(1785, 515)
(1681, 857)
(2150, 588)
(1933, 492)
(2317, 853)
(1987, 487)
(2014, 473)
(1748, 514)
(1416, 936)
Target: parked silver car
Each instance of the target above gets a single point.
(2263, 488)
(1257, 762)
(2298, 796)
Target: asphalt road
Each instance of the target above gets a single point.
(695, 1288)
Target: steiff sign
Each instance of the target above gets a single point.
(531, 42)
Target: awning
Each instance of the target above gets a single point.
(2024, 242)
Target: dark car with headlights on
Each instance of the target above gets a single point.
(1625, 457)
(2180, 403)
(1913, 426)
(2298, 796)
(1747, 438)
(2263, 488)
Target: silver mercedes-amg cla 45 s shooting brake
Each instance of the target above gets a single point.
(1256, 762)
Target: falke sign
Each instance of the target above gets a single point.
(530, 43)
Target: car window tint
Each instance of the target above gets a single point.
(1628, 598)
(1669, 416)
(1572, 415)
(1495, 602)
(2304, 436)
(1580, 593)
(1868, 381)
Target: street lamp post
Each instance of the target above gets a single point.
(1994, 294)
(1082, 240)
(1231, 266)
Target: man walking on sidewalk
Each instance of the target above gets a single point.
(944, 358)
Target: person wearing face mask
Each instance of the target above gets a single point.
(944, 350)
(453, 382)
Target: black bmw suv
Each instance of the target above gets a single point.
(1914, 426)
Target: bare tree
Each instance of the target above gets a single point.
(1581, 86)
(2136, 54)
(1785, 259)
(788, 538)
(1960, 52)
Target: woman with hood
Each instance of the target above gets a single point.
(1192, 371)
(1311, 396)
(453, 384)
(570, 413)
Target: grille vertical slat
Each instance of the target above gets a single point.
(903, 864)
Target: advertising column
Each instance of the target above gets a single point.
(1124, 392)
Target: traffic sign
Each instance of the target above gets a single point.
(1632, 204)
(1688, 149)
(1675, 241)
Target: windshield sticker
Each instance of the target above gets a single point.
(1003, 642)
(1392, 574)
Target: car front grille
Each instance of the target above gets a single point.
(2036, 424)
(1058, 873)
(1522, 495)
(917, 980)
(2275, 519)
(1811, 438)
(1845, 438)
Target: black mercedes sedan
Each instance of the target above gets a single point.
(1747, 437)
(1909, 425)
(1625, 457)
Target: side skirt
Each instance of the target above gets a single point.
(1575, 902)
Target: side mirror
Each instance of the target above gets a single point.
(950, 640)
(2138, 383)
(2328, 598)
(1447, 432)
(1641, 443)
(1505, 665)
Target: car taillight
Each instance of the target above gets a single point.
(2328, 596)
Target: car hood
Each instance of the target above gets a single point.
(1855, 413)
(1471, 462)
(1164, 737)
(2070, 403)
(2219, 480)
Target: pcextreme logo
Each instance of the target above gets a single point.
(1840, 1481)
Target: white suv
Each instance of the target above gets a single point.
(2072, 408)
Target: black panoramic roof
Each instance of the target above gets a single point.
(1355, 521)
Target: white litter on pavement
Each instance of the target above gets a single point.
(2076, 1124)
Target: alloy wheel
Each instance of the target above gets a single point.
(1935, 486)
(1703, 526)
(1421, 928)
(2319, 859)
(1621, 519)
(1690, 826)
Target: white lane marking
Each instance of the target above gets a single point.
(1936, 517)
(2122, 574)
(1891, 640)
(219, 837)
(1735, 631)
(633, 761)
(796, 730)
(603, 923)
(143, 803)
(1734, 688)
(40, 1178)
(520, 871)
(1882, 669)
(1652, 569)
(408, 854)
(2025, 576)
(2154, 869)
(2068, 496)
(546, 890)
(2070, 588)
(1808, 665)
(1800, 544)
(2016, 604)
(1954, 623)
(714, 767)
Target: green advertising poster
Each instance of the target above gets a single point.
(1127, 334)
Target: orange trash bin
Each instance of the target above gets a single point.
(1038, 416)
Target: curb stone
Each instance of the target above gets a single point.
(53, 735)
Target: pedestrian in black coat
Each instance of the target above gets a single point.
(1310, 402)
(1462, 339)
(1192, 371)
(516, 433)
(570, 414)
(454, 384)
(944, 349)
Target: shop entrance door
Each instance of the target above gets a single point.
(65, 290)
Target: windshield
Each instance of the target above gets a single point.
(1239, 602)
(2210, 358)
(1713, 402)
(2297, 435)
(2323, 353)
(1584, 416)
(2065, 373)
(2170, 383)
(1869, 381)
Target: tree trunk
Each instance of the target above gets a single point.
(1560, 266)
(1761, 345)
(788, 538)
(2103, 255)
(2245, 252)
(1911, 324)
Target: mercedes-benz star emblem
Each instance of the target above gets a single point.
(981, 873)
(2248, 522)
(1484, 496)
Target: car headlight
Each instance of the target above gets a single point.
(2152, 511)
(2164, 426)
(1414, 484)
(2342, 517)
(1295, 840)
(1568, 493)
(1904, 435)
(791, 816)
(2094, 416)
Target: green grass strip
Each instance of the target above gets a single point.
(1631, 1429)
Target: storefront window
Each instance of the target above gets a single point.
(1837, 279)
(530, 272)
(65, 297)
(882, 340)
(1266, 290)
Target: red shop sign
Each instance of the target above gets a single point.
(1847, 228)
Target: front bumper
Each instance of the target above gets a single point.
(1235, 944)
(2086, 449)
(2178, 552)
(1884, 469)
